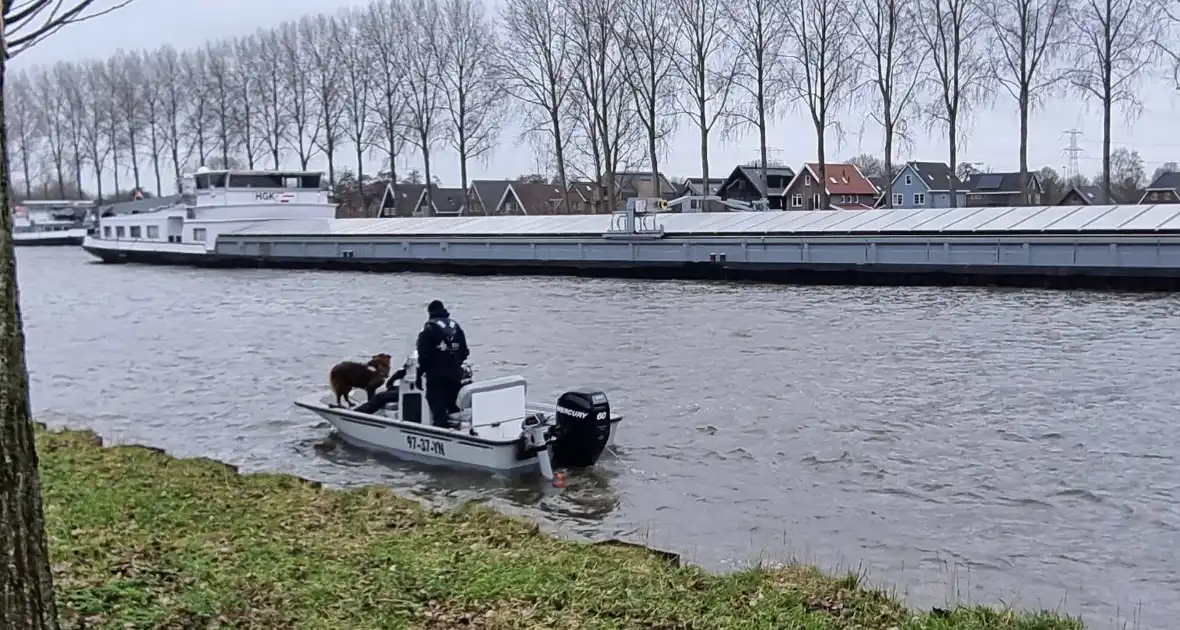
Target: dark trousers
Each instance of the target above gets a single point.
(441, 395)
(377, 401)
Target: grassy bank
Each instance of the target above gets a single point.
(141, 540)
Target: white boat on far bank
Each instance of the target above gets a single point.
(43, 223)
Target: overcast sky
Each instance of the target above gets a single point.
(993, 135)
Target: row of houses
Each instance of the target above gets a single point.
(916, 185)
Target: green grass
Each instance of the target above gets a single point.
(142, 540)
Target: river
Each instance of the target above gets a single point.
(958, 444)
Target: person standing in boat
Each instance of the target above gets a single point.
(442, 349)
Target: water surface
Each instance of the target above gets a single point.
(973, 444)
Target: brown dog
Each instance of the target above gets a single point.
(348, 375)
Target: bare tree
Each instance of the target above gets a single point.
(94, 137)
(317, 38)
(219, 68)
(650, 71)
(605, 104)
(425, 94)
(273, 124)
(195, 66)
(300, 110)
(894, 65)
(108, 99)
(381, 31)
(127, 81)
(23, 117)
(167, 71)
(246, 82)
(537, 65)
(823, 51)
(759, 32)
(706, 64)
(69, 80)
(1113, 44)
(151, 91)
(1028, 41)
(473, 92)
(54, 122)
(357, 61)
(952, 31)
(26, 581)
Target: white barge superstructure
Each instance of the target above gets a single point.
(215, 202)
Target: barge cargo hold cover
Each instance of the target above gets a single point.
(1062, 246)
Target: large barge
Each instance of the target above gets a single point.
(1131, 247)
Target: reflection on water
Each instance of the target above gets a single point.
(990, 444)
(586, 498)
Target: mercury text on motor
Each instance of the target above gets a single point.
(581, 415)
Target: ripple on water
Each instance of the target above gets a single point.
(989, 444)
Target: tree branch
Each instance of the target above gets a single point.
(25, 25)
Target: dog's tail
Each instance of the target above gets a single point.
(334, 383)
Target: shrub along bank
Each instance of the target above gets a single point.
(142, 540)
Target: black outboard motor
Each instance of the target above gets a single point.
(582, 428)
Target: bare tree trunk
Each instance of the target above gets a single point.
(26, 583)
(1024, 105)
(953, 135)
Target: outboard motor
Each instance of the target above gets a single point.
(582, 428)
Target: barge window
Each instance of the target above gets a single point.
(136, 232)
(106, 231)
(119, 231)
(310, 182)
(256, 180)
(209, 180)
(153, 231)
(199, 235)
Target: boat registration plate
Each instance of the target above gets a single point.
(425, 445)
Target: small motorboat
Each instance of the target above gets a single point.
(496, 427)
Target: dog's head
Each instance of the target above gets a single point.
(381, 362)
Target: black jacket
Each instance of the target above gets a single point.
(442, 348)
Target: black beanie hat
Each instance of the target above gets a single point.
(436, 306)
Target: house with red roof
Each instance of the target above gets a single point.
(846, 187)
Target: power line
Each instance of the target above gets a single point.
(1073, 151)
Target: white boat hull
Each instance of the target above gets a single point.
(73, 237)
(430, 444)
